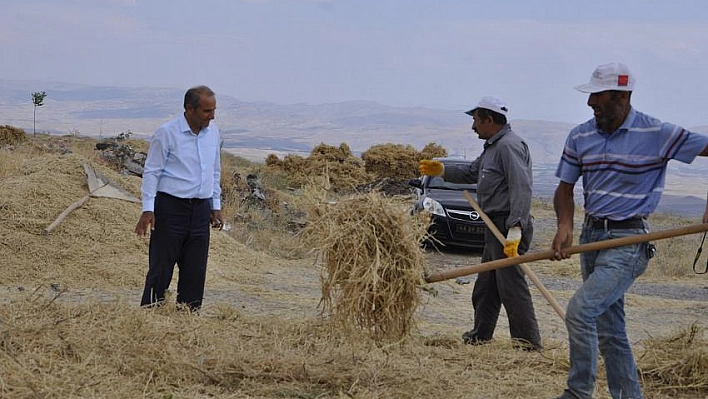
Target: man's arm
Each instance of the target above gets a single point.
(462, 174)
(515, 163)
(154, 166)
(564, 205)
(704, 153)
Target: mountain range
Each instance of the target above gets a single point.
(255, 129)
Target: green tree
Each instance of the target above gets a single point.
(38, 101)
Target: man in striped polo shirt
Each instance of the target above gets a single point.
(621, 155)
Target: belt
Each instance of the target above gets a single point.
(185, 200)
(608, 224)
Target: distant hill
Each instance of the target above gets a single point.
(107, 111)
(255, 129)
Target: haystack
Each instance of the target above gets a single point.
(373, 265)
(95, 245)
(678, 361)
(10, 135)
(396, 161)
(342, 168)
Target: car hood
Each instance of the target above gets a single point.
(450, 198)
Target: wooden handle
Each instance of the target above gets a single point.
(576, 249)
(64, 214)
(524, 267)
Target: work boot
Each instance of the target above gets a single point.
(471, 338)
(566, 395)
(525, 345)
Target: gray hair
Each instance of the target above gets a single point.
(192, 96)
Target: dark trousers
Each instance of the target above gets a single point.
(181, 237)
(506, 286)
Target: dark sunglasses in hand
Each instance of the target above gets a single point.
(698, 255)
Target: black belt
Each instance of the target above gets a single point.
(608, 224)
(185, 200)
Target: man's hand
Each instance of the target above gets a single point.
(563, 239)
(217, 221)
(431, 167)
(513, 238)
(146, 222)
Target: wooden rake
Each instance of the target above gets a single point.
(99, 186)
(576, 249)
(527, 270)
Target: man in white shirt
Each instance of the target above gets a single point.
(181, 197)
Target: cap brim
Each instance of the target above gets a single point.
(590, 88)
(471, 112)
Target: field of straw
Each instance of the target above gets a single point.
(336, 311)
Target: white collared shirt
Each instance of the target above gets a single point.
(183, 164)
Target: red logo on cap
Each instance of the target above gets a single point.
(622, 80)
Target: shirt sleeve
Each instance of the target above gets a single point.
(569, 167)
(682, 145)
(154, 165)
(462, 174)
(516, 160)
(216, 195)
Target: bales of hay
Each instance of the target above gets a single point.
(373, 265)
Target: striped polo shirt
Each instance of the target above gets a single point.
(624, 172)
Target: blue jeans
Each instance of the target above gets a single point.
(595, 316)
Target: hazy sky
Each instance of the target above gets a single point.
(435, 53)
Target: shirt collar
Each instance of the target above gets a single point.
(497, 136)
(183, 125)
(629, 120)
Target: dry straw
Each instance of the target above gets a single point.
(10, 135)
(94, 244)
(676, 362)
(258, 335)
(373, 265)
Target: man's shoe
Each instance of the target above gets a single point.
(471, 338)
(566, 395)
(526, 346)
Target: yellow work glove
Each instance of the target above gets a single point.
(511, 245)
(431, 167)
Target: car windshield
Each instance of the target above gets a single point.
(438, 182)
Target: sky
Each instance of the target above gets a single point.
(443, 54)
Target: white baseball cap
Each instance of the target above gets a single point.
(613, 76)
(492, 104)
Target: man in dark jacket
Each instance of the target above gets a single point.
(504, 183)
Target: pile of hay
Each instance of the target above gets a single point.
(373, 263)
(52, 349)
(433, 150)
(678, 362)
(93, 246)
(343, 169)
(10, 135)
(346, 172)
(397, 161)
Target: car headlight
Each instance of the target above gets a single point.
(433, 207)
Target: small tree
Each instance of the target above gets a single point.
(38, 101)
